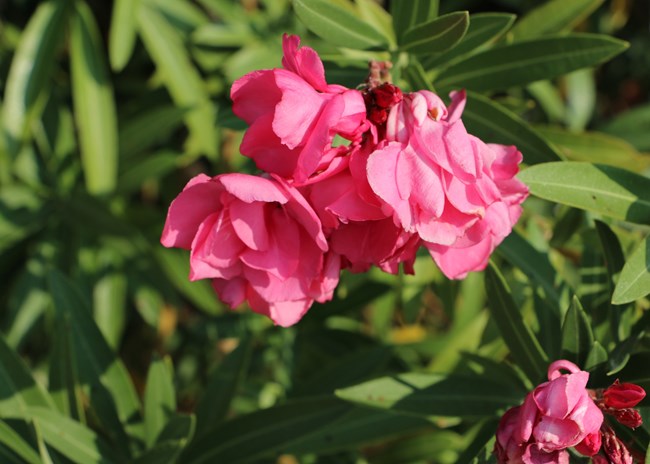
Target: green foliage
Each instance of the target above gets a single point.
(109, 354)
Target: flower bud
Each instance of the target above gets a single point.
(590, 445)
(599, 459)
(628, 417)
(387, 95)
(616, 450)
(623, 395)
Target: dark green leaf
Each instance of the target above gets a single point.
(163, 453)
(603, 189)
(529, 61)
(496, 124)
(634, 281)
(597, 356)
(439, 446)
(140, 133)
(632, 126)
(337, 25)
(264, 433)
(523, 344)
(94, 107)
(577, 335)
(30, 69)
(416, 76)
(13, 441)
(436, 36)
(434, 395)
(408, 14)
(553, 16)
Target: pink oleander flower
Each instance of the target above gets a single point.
(258, 240)
(556, 415)
(294, 114)
(458, 194)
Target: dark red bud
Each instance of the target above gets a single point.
(599, 459)
(590, 445)
(377, 116)
(616, 450)
(387, 95)
(623, 395)
(628, 417)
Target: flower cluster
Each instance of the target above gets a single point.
(562, 413)
(352, 178)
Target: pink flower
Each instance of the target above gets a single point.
(456, 192)
(258, 240)
(556, 415)
(294, 114)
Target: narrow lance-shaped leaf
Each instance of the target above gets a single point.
(180, 77)
(13, 441)
(553, 16)
(632, 126)
(337, 25)
(159, 399)
(607, 190)
(434, 395)
(634, 281)
(523, 62)
(494, 123)
(436, 36)
(123, 33)
(524, 346)
(408, 14)
(577, 335)
(94, 106)
(30, 69)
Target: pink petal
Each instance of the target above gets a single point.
(199, 198)
(232, 291)
(556, 434)
(249, 222)
(253, 188)
(456, 263)
(458, 101)
(263, 146)
(303, 61)
(255, 95)
(215, 249)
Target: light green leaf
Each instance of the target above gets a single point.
(603, 189)
(520, 63)
(408, 14)
(595, 147)
(580, 89)
(123, 33)
(159, 399)
(437, 35)
(577, 335)
(94, 107)
(634, 281)
(632, 126)
(373, 13)
(222, 35)
(180, 77)
(14, 442)
(97, 364)
(494, 123)
(434, 395)
(30, 70)
(265, 432)
(215, 402)
(337, 25)
(483, 28)
(524, 346)
(553, 16)
(109, 296)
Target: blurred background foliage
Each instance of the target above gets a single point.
(109, 354)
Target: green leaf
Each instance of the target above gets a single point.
(140, 133)
(632, 126)
(634, 281)
(153, 167)
(265, 432)
(123, 33)
(30, 70)
(159, 399)
(437, 35)
(14, 442)
(163, 453)
(553, 16)
(98, 366)
(408, 14)
(22, 213)
(483, 28)
(337, 25)
(597, 356)
(595, 147)
(607, 190)
(109, 296)
(94, 107)
(496, 124)
(577, 335)
(181, 78)
(375, 15)
(215, 402)
(434, 395)
(73, 440)
(523, 344)
(523, 62)
(439, 446)
(416, 76)
(18, 390)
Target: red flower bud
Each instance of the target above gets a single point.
(623, 395)
(616, 450)
(628, 417)
(377, 115)
(599, 459)
(590, 445)
(387, 95)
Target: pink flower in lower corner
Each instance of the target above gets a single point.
(258, 240)
(294, 114)
(556, 415)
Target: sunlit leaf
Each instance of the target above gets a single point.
(123, 33)
(553, 16)
(159, 399)
(634, 281)
(13, 441)
(577, 335)
(437, 35)
(607, 190)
